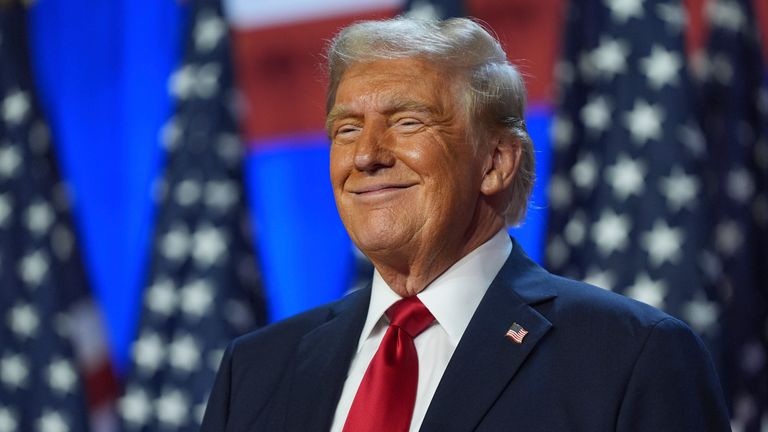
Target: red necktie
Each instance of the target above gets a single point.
(385, 398)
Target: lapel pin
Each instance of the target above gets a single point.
(516, 332)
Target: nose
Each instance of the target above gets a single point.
(371, 149)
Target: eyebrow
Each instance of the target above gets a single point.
(343, 111)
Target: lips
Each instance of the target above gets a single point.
(374, 189)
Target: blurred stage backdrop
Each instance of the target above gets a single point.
(164, 184)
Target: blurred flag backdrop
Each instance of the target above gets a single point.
(659, 185)
(55, 366)
(203, 288)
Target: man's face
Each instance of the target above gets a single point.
(405, 177)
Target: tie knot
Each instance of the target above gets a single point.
(410, 315)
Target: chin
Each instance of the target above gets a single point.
(371, 243)
(376, 240)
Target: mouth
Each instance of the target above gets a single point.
(379, 189)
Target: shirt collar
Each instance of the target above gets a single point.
(454, 295)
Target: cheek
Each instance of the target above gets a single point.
(339, 166)
(454, 183)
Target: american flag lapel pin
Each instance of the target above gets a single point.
(516, 333)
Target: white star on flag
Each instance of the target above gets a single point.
(208, 245)
(207, 80)
(182, 81)
(162, 297)
(562, 132)
(24, 320)
(170, 134)
(221, 195)
(14, 370)
(610, 57)
(33, 268)
(623, 10)
(596, 114)
(701, 314)
(739, 185)
(149, 352)
(626, 177)
(726, 14)
(557, 251)
(10, 160)
(196, 298)
(176, 242)
(673, 14)
(209, 30)
(661, 67)
(576, 229)
(188, 192)
(52, 421)
(184, 353)
(172, 408)
(424, 10)
(610, 232)
(644, 122)
(8, 420)
(559, 192)
(15, 107)
(584, 172)
(61, 375)
(648, 291)
(679, 189)
(135, 407)
(662, 243)
(39, 217)
(600, 278)
(728, 237)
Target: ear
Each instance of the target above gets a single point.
(504, 158)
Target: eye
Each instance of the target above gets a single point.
(409, 123)
(347, 130)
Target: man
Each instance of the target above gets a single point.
(459, 331)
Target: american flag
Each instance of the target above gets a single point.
(639, 192)
(55, 374)
(516, 333)
(735, 124)
(203, 287)
(626, 194)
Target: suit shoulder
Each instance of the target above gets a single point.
(285, 334)
(603, 307)
(284, 331)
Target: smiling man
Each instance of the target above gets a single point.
(459, 330)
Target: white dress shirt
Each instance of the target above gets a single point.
(452, 298)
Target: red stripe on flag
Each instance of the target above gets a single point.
(101, 384)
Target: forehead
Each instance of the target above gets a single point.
(386, 82)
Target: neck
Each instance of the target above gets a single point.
(410, 273)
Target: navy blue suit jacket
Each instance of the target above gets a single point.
(592, 361)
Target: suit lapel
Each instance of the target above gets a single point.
(485, 361)
(323, 360)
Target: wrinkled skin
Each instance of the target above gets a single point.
(414, 192)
